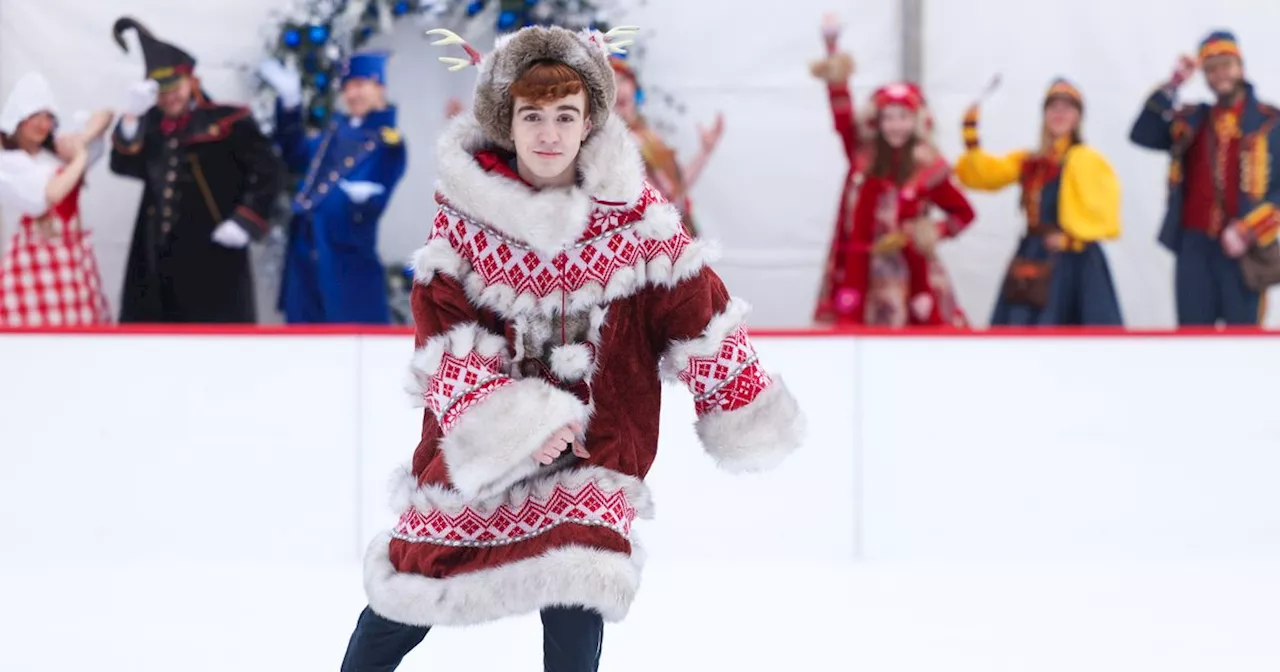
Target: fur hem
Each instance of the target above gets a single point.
(491, 446)
(756, 437)
(407, 493)
(572, 575)
(719, 328)
(547, 220)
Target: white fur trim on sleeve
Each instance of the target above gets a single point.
(458, 341)
(438, 256)
(719, 328)
(491, 446)
(756, 437)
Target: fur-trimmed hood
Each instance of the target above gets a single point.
(611, 175)
(587, 52)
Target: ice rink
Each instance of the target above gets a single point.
(745, 618)
(207, 507)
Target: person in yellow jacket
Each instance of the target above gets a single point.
(1071, 196)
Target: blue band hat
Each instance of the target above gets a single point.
(366, 65)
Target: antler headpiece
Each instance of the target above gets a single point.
(588, 52)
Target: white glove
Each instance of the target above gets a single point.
(359, 192)
(77, 123)
(141, 96)
(230, 234)
(286, 80)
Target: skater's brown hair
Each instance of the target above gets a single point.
(546, 81)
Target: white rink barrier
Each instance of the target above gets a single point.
(276, 448)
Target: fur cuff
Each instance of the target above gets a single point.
(756, 437)
(573, 575)
(708, 343)
(491, 445)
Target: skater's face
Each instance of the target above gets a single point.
(361, 96)
(625, 102)
(175, 101)
(1224, 74)
(35, 129)
(547, 137)
(897, 123)
(1061, 117)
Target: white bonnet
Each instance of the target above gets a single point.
(30, 95)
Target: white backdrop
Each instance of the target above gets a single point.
(770, 191)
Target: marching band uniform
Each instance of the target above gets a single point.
(1068, 190)
(211, 179)
(332, 270)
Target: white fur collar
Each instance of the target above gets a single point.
(550, 220)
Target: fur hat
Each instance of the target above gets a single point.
(587, 52)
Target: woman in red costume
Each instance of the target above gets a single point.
(883, 269)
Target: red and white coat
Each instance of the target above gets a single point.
(533, 310)
(49, 274)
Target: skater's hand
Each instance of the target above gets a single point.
(562, 440)
(1234, 243)
(1056, 242)
(230, 234)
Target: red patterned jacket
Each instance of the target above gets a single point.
(533, 310)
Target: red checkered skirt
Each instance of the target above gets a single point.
(49, 276)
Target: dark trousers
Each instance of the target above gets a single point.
(1209, 285)
(571, 639)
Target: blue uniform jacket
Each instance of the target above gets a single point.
(1166, 127)
(332, 270)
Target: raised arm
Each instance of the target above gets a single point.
(1152, 128)
(981, 170)
(835, 70)
(128, 148)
